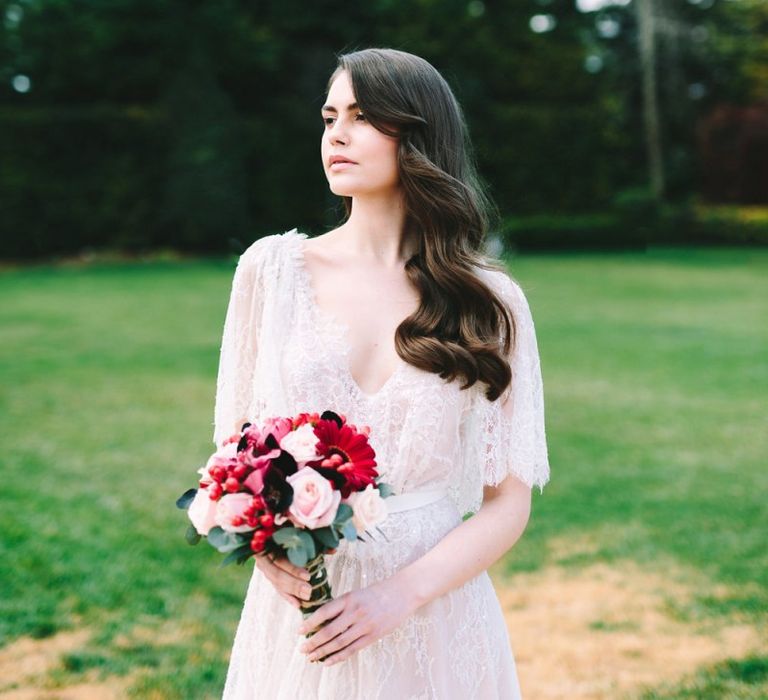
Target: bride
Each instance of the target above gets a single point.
(397, 320)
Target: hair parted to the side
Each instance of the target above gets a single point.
(456, 330)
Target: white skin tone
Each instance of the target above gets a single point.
(368, 253)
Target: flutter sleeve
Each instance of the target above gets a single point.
(237, 359)
(508, 435)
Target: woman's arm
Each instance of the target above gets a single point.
(472, 547)
(361, 617)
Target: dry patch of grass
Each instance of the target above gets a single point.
(77, 665)
(609, 631)
(26, 663)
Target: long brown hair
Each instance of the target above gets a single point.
(458, 326)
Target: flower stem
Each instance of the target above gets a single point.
(321, 589)
(321, 592)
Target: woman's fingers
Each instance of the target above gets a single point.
(282, 580)
(346, 652)
(296, 571)
(339, 642)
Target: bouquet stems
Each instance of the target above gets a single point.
(321, 589)
(321, 592)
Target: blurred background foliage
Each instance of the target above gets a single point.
(144, 124)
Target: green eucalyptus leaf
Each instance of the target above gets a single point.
(327, 537)
(239, 555)
(349, 531)
(385, 490)
(298, 556)
(288, 537)
(186, 499)
(308, 543)
(343, 513)
(222, 540)
(192, 535)
(214, 534)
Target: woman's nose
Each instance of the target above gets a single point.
(337, 133)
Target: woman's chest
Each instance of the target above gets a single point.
(315, 371)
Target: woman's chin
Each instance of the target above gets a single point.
(343, 191)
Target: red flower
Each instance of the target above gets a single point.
(358, 463)
(303, 418)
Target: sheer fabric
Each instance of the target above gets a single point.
(282, 354)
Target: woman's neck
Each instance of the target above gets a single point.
(374, 231)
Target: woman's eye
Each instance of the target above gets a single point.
(329, 120)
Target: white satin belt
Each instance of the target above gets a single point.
(413, 499)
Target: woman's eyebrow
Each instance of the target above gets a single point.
(331, 108)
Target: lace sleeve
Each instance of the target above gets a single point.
(509, 435)
(237, 358)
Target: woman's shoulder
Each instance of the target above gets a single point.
(498, 278)
(266, 248)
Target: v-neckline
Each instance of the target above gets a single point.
(338, 330)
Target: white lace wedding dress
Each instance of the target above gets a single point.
(282, 354)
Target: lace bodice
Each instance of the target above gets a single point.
(281, 354)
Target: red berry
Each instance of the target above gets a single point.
(258, 540)
(266, 520)
(218, 473)
(214, 491)
(232, 485)
(237, 520)
(240, 471)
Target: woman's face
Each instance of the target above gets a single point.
(348, 134)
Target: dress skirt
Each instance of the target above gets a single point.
(453, 648)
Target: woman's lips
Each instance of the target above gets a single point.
(341, 165)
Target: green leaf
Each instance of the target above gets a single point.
(349, 531)
(224, 541)
(185, 499)
(385, 490)
(308, 543)
(288, 537)
(192, 535)
(238, 555)
(298, 556)
(327, 537)
(343, 513)
(214, 533)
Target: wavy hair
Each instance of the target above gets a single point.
(460, 322)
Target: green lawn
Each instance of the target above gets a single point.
(656, 376)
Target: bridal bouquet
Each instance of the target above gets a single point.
(290, 487)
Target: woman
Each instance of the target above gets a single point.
(396, 320)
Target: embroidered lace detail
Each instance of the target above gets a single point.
(281, 354)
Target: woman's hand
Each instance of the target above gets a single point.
(291, 582)
(357, 619)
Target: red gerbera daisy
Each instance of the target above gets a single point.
(358, 465)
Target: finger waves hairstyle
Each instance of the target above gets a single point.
(460, 322)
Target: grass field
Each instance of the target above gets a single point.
(656, 376)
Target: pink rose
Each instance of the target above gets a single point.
(201, 512)
(315, 501)
(301, 444)
(368, 508)
(230, 512)
(277, 426)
